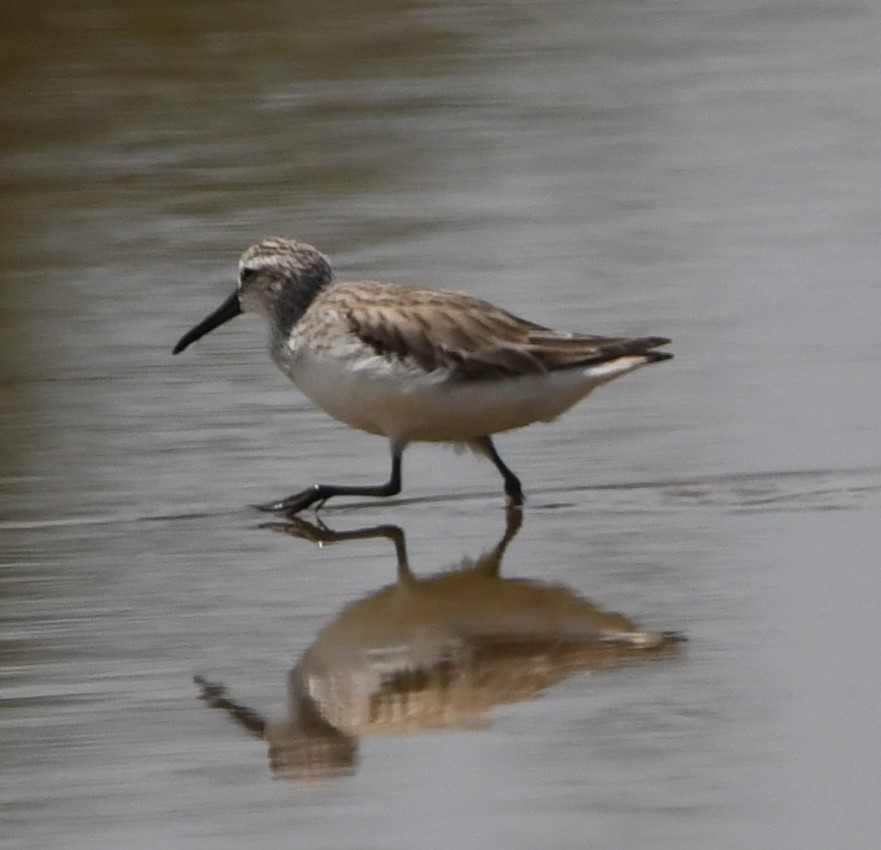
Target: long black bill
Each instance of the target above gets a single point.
(226, 311)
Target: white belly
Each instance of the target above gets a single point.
(408, 405)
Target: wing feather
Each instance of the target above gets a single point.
(473, 339)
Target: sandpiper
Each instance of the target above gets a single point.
(413, 364)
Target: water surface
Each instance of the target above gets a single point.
(704, 171)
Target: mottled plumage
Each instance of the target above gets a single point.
(412, 363)
(470, 338)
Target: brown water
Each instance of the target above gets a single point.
(707, 171)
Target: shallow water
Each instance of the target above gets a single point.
(704, 171)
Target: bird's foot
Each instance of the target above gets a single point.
(295, 503)
(514, 496)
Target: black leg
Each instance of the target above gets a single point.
(322, 492)
(513, 490)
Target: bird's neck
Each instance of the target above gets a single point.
(285, 313)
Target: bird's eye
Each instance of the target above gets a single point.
(247, 274)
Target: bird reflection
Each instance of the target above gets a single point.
(431, 653)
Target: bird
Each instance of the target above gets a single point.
(414, 364)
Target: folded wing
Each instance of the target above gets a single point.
(475, 340)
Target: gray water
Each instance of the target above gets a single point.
(707, 171)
